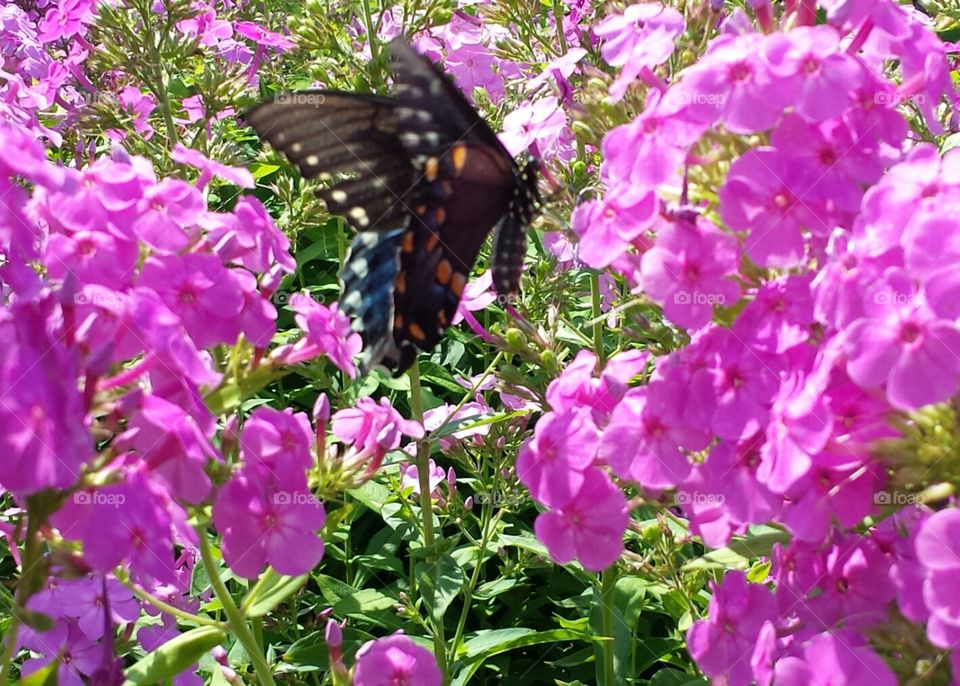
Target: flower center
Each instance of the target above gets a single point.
(740, 72)
(811, 66)
(910, 332)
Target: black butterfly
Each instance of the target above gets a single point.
(426, 180)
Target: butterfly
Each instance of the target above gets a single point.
(423, 179)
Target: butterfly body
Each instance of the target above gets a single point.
(426, 181)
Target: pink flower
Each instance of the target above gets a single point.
(732, 83)
(774, 198)
(471, 66)
(639, 39)
(328, 333)
(168, 215)
(685, 272)
(201, 292)
(269, 516)
(239, 176)
(780, 316)
(834, 659)
(477, 295)
(647, 433)
(903, 344)
(723, 643)
(410, 478)
(395, 660)
(809, 61)
(540, 127)
(172, 444)
(552, 464)
(271, 437)
(371, 429)
(589, 528)
(249, 238)
(607, 227)
(938, 551)
(649, 150)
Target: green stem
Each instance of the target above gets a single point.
(475, 577)
(426, 506)
(234, 618)
(372, 40)
(29, 561)
(558, 21)
(167, 607)
(597, 318)
(608, 580)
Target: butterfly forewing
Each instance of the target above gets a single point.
(427, 173)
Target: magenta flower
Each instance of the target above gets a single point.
(44, 431)
(477, 295)
(799, 427)
(84, 600)
(328, 333)
(686, 272)
(168, 215)
(732, 83)
(472, 66)
(590, 527)
(410, 478)
(938, 551)
(540, 126)
(607, 227)
(723, 495)
(239, 176)
(139, 106)
(249, 238)
(649, 150)
(552, 463)
(723, 643)
(271, 437)
(903, 344)
(639, 39)
(269, 517)
(92, 257)
(66, 20)
(173, 445)
(200, 291)
(809, 61)
(774, 198)
(647, 433)
(372, 430)
(834, 659)
(393, 661)
(780, 316)
(78, 655)
(130, 523)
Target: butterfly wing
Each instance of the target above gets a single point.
(467, 184)
(426, 173)
(348, 135)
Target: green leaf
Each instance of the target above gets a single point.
(261, 170)
(271, 590)
(441, 584)
(674, 677)
(742, 551)
(174, 656)
(45, 676)
(486, 644)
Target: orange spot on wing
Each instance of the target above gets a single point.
(408, 241)
(444, 272)
(457, 282)
(458, 154)
(417, 332)
(431, 168)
